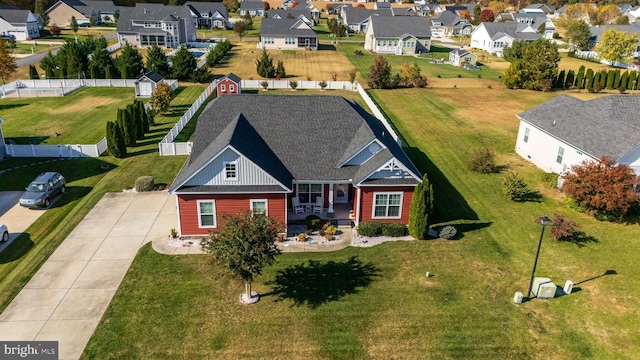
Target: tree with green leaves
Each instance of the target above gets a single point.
(240, 28)
(116, 146)
(570, 79)
(535, 68)
(615, 45)
(130, 63)
(421, 209)
(143, 114)
(580, 77)
(33, 72)
(48, 65)
(280, 71)
(264, 65)
(101, 61)
(244, 245)
(161, 98)
(231, 5)
(380, 74)
(74, 25)
(7, 64)
(157, 61)
(248, 20)
(184, 64)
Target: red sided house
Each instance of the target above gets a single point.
(229, 84)
(288, 157)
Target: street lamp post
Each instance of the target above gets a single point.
(544, 221)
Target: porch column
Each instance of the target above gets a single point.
(330, 209)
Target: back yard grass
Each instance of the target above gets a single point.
(88, 179)
(376, 302)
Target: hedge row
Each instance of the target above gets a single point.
(369, 228)
(613, 79)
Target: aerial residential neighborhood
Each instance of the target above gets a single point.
(319, 179)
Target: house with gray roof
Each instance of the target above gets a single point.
(462, 57)
(597, 31)
(253, 8)
(86, 12)
(566, 131)
(268, 153)
(398, 35)
(542, 9)
(356, 19)
(148, 24)
(447, 23)
(21, 24)
(209, 15)
(299, 14)
(536, 21)
(494, 37)
(287, 34)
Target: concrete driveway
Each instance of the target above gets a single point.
(66, 298)
(17, 218)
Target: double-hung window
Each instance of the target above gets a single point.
(526, 134)
(387, 205)
(206, 213)
(223, 88)
(308, 193)
(560, 155)
(231, 170)
(259, 206)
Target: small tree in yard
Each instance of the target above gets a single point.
(482, 161)
(265, 85)
(563, 228)
(240, 28)
(33, 72)
(264, 65)
(184, 64)
(380, 74)
(161, 98)
(515, 188)
(7, 62)
(602, 188)
(421, 209)
(245, 244)
(55, 30)
(74, 25)
(293, 84)
(280, 71)
(115, 140)
(323, 85)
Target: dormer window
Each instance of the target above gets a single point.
(231, 170)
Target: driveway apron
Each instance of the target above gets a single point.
(66, 298)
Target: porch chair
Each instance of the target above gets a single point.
(317, 207)
(297, 208)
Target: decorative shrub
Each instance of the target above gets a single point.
(313, 222)
(264, 84)
(281, 237)
(514, 187)
(482, 161)
(563, 228)
(369, 228)
(329, 237)
(293, 84)
(394, 229)
(331, 230)
(447, 232)
(322, 84)
(145, 183)
(302, 237)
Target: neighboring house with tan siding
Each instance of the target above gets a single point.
(287, 34)
(85, 12)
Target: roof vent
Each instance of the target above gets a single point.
(145, 10)
(554, 123)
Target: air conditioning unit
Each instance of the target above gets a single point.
(544, 288)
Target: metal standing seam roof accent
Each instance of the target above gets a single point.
(291, 137)
(397, 26)
(604, 126)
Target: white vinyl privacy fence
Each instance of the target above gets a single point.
(61, 87)
(302, 84)
(58, 150)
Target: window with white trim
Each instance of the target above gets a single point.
(387, 205)
(526, 134)
(560, 155)
(207, 213)
(232, 88)
(259, 206)
(223, 88)
(289, 40)
(267, 40)
(308, 193)
(231, 170)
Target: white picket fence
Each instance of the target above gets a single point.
(61, 87)
(59, 150)
(302, 84)
(166, 146)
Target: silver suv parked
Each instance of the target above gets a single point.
(42, 189)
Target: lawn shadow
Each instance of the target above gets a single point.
(316, 283)
(449, 204)
(326, 47)
(580, 239)
(608, 272)
(461, 229)
(11, 106)
(17, 248)
(178, 90)
(26, 140)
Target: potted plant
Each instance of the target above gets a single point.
(174, 233)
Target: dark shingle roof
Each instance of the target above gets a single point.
(233, 77)
(396, 26)
(283, 27)
(604, 126)
(101, 5)
(448, 18)
(150, 12)
(597, 31)
(295, 13)
(291, 137)
(357, 15)
(510, 28)
(153, 76)
(208, 7)
(14, 16)
(251, 5)
(459, 52)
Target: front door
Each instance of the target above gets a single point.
(340, 193)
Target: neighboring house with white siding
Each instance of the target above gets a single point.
(287, 34)
(566, 131)
(148, 24)
(398, 35)
(494, 37)
(21, 24)
(356, 19)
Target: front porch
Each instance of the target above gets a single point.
(340, 214)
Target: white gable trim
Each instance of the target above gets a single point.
(392, 164)
(382, 147)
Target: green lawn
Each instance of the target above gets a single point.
(37, 120)
(87, 183)
(376, 303)
(363, 63)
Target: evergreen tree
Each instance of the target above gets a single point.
(380, 74)
(611, 74)
(120, 141)
(632, 78)
(589, 79)
(100, 62)
(570, 79)
(560, 80)
(624, 80)
(112, 139)
(74, 25)
(580, 78)
(617, 78)
(280, 69)
(129, 63)
(131, 130)
(603, 79)
(264, 65)
(33, 72)
(48, 65)
(143, 114)
(184, 64)
(157, 61)
(421, 209)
